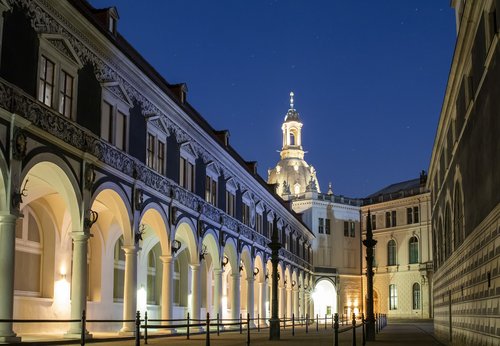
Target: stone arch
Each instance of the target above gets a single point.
(156, 225)
(325, 297)
(185, 232)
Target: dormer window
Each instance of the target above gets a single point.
(112, 25)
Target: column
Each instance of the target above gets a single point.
(306, 304)
(195, 291)
(282, 300)
(130, 289)
(78, 281)
(167, 296)
(302, 302)
(295, 302)
(250, 297)
(7, 250)
(289, 302)
(235, 296)
(217, 293)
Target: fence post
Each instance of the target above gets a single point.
(138, 328)
(332, 321)
(207, 340)
(248, 328)
(82, 336)
(325, 321)
(307, 324)
(146, 327)
(363, 327)
(258, 322)
(241, 325)
(317, 322)
(336, 329)
(187, 328)
(353, 329)
(218, 322)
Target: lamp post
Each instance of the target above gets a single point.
(369, 242)
(274, 322)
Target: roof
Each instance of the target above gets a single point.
(398, 187)
(292, 115)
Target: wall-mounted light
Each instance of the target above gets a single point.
(225, 261)
(203, 252)
(256, 271)
(294, 283)
(241, 266)
(267, 276)
(176, 245)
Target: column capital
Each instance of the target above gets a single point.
(194, 266)
(234, 276)
(251, 279)
(218, 271)
(79, 236)
(130, 249)
(166, 258)
(8, 218)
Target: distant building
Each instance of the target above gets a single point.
(464, 179)
(401, 224)
(334, 221)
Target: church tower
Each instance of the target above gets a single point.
(292, 174)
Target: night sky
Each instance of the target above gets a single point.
(368, 76)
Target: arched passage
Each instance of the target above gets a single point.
(325, 298)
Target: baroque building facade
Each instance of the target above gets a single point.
(116, 195)
(465, 184)
(334, 220)
(401, 223)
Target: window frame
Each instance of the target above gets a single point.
(117, 106)
(413, 250)
(321, 225)
(391, 253)
(187, 165)
(416, 296)
(393, 297)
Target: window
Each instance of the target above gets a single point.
(150, 151)
(28, 263)
(393, 297)
(321, 225)
(415, 215)
(269, 232)
(114, 123)
(245, 214)
(186, 178)
(211, 190)
(352, 229)
(66, 94)
(416, 296)
(391, 252)
(151, 284)
(46, 83)
(393, 217)
(346, 228)
(409, 215)
(374, 222)
(447, 231)
(413, 250)
(387, 219)
(160, 156)
(259, 223)
(119, 271)
(327, 226)
(230, 203)
(458, 218)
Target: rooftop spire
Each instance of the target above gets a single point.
(291, 100)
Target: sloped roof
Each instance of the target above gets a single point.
(397, 187)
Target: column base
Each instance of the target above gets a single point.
(126, 332)
(13, 339)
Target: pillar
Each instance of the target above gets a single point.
(217, 293)
(282, 300)
(250, 297)
(306, 304)
(130, 289)
(195, 291)
(263, 299)
(167, 296)
(78, 281)
(295, 301)
(235, 296)
(289, 302)
(7, 251)
(302, 302)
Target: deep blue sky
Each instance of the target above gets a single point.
(368, 77)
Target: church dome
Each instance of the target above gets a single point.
(293, 175)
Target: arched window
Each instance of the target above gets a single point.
(458, 218)
(413, 250)
(177, 283)
(28, 264)
(416, 296)
(441, 245)
(292, 138)
(119, 271)
(447, 231)
(391, 253)
(393, 297)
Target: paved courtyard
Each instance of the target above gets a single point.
(406, 333)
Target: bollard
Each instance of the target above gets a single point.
(207, 339)
(248, 328)
(353, 329)
(241, 325)
(145, 327)
(138, 328)
(376, 323)
(325, 321)
(363, 327)
(187, 330)
(307, 324)
(82, 336)
(218, 323)
(284, 322)
(336, 329)
(332, 321)
(317, 322)
(258, 322)
(293, 324)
